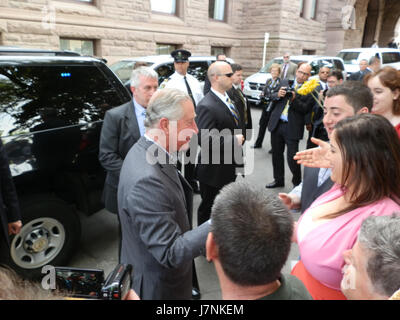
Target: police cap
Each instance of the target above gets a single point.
(181, 55)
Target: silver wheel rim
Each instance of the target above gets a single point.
(38, 242)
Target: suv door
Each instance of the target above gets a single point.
(51, 113)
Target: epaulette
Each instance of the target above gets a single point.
(162, 85)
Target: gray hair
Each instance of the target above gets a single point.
(142, 72)
(165, 103)
(380, 235)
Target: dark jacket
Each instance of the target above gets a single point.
(212, 113)
(119, 133)
(243, 107)
(299, 113)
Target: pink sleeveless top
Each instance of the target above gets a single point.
(321, 248)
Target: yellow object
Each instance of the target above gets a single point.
(308, 87)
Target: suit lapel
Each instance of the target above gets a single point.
(225, 108)
(132, 122)
(163, 160)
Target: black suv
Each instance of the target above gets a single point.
(51, 113)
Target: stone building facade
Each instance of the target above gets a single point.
(126, 28)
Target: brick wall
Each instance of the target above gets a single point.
(125, 28)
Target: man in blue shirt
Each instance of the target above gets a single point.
(122, 128)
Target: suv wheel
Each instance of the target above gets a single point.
(50, 234)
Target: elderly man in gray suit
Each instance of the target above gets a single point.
(288, 68)
(122, 127)
(155, 202)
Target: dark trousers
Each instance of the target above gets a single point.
(5, 257)
(263, 124)
(279, 140)
(208, 194)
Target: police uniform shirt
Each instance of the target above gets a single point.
(177, 81)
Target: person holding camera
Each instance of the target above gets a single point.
(268, 95)
(286, 124)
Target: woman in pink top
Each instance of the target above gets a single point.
(364, 157)
(385, 86)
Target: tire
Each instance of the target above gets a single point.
(49, 236)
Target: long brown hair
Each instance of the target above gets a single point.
(370, 149)
(390, 78)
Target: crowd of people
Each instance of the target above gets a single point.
(171, 141)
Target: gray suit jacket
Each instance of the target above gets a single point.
(291, 73)
(155, 209)
(119, 133)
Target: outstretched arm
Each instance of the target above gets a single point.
(315, 157)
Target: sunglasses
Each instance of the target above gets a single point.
(230, 74)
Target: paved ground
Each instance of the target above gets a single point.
(99, 239)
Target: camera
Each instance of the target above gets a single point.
(289, 89)
(90, 283)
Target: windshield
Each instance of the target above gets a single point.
(123, 69)
(349, 57)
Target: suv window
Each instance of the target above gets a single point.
(338, 65)
(164, 71)
(123, 69)
(198, 69)
(349, 57)
(390, 57)
(75, 95)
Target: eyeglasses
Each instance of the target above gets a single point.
(286, 56)
(303, 73)
(230, 74)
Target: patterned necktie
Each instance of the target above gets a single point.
(233, 110)
(189, 91)
(240, 93)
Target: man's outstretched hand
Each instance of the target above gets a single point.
(315, 157)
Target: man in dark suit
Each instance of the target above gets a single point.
(286, 124)
(239, 99)
(122, 127)
(10, 216)
(155, 202)
(359, 75)
(207, 83)
(220, 137)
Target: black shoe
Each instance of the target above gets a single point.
(195, 187)
(256, 146)
(196, 295)
(274, 185)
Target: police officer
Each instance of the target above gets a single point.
(181, 80)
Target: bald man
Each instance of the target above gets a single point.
(220, 137)
(286, 124)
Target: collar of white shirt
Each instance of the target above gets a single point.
(221, 96)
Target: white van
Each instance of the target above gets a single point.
(164, 66)
(255, 83)
(352, 57)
